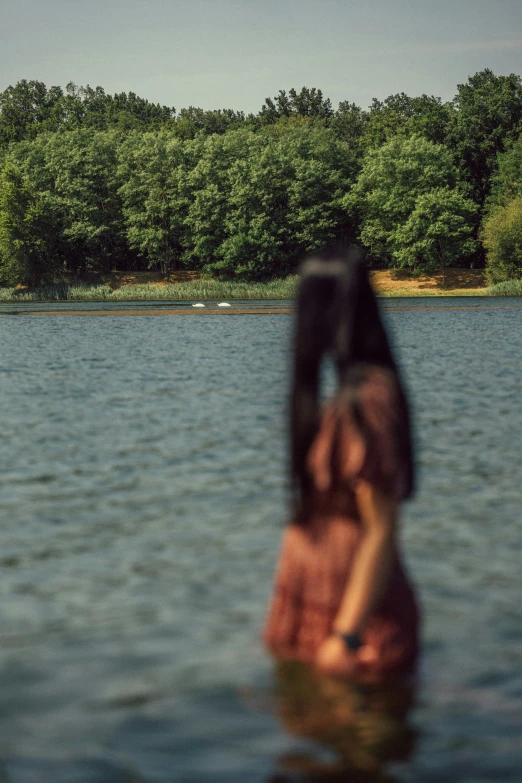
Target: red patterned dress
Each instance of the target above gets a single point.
(316, 558)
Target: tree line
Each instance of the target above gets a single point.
(93, 182)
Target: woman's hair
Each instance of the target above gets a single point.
(338, 316)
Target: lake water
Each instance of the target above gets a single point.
(143, 496)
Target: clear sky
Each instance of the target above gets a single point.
(235, 53)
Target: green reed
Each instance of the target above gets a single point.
(507, 288)
(193, 289)
(57, 292)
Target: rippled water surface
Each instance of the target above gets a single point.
(142, 485)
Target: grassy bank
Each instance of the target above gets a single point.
(190, 290)
(186, 286)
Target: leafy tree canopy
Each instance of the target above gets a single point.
(502, 238)
(438, 232)
(399, 114)
(488, 117)
(27, 236)
(506, 183)
(117, 181)
(391, 180)
(306, 103)
(30, 108)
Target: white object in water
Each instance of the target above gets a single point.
(198, 305)
(224, 304)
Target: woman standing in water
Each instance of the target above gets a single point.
(342, 600)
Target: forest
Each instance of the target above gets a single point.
(92, 182)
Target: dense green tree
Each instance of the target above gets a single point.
(436, 234)
(125, 182)
(94, 108)
(260, 201)
(192, 121)
(207, 188)
(501, 230)
(30, 108)
(253, 245)
(83, 166)
(309, 102)
(402, 115)
(349, 124)
(27, 237)
(152, 170)
(488, 116)
(502, 238)
(431, 118)
(323, 171)
(77, 173)
(391, 180)
(31, 158)
(506, 183)
(26, 109)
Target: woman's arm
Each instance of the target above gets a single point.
(368, 579)
(374, 559)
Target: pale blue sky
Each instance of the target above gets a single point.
(235, 53)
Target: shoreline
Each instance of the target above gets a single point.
(189, 286)
(238, 311)
(386, 297)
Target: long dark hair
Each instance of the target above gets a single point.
(337, 315)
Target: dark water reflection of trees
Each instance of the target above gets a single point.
(365, 725)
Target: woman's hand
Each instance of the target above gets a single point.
(333, 657)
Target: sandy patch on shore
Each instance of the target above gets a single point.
(119, 279)
(458, 281)
(385, 282)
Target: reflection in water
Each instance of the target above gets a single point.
(365, 725)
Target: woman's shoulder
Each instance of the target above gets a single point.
(376, 382)
(361, 426)
(373, 395)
